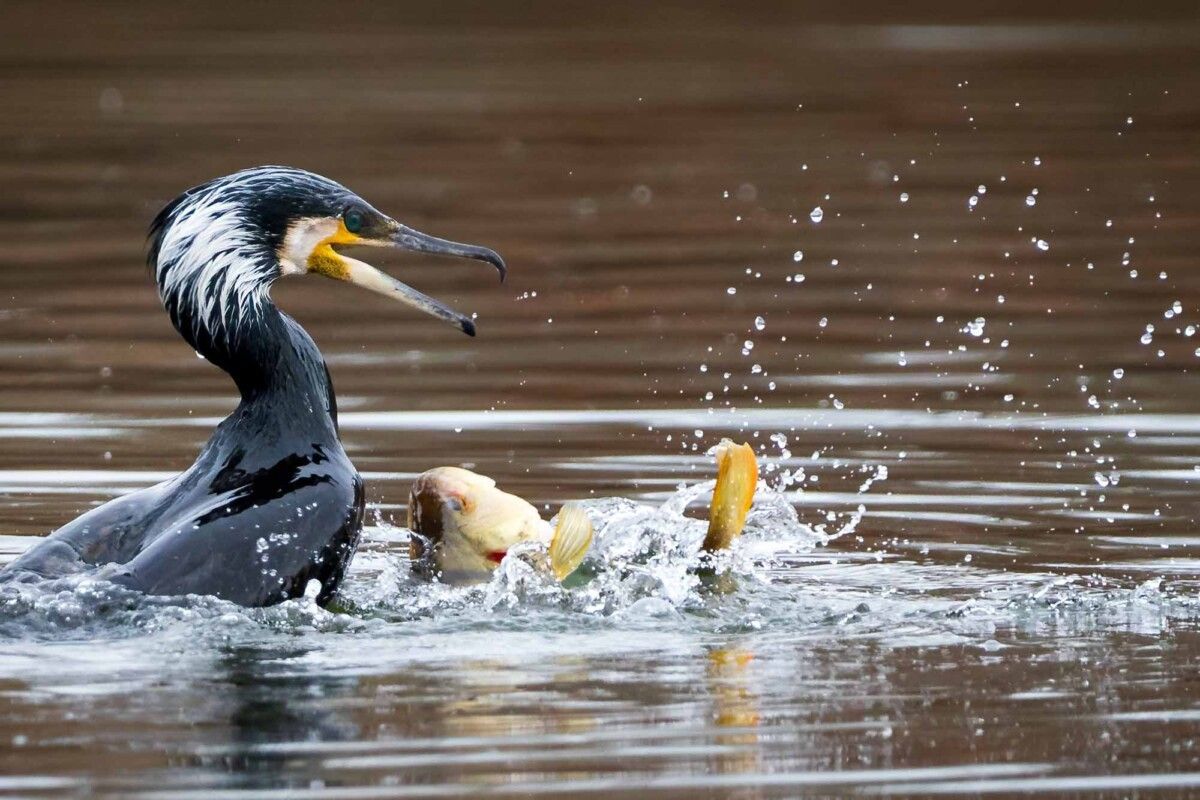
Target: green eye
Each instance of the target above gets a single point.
(353, 221)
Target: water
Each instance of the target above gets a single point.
(976, 569)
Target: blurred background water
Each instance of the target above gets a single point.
(937, 265)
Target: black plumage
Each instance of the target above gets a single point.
(272, 502)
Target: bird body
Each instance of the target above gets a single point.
(272, 502)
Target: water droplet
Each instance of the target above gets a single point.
(111, 101)
(760, 323)
(1118, 373)
(817, 214)
(1043, 245)
(904, 197)
(731, 290)
(1030, 200)
(798, 256)
(823, 322)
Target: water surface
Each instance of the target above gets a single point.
(973, 379)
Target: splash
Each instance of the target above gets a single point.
(645, 570)
(645, 562)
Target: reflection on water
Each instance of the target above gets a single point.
(971, 384)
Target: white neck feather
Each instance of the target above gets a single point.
(213, 276)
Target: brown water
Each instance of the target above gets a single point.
(1017, 607)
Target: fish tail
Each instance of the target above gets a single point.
(737, 477)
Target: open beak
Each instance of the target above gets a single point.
(403, 237)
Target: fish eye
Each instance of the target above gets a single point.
(353, 220)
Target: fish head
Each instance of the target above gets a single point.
(463, 525)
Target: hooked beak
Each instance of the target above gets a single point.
(400, 236)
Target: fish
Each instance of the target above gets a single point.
(463, 526)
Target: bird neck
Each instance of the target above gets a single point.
(277, 368)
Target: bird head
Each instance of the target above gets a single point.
(217, 248)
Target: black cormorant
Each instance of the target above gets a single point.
(272, 502)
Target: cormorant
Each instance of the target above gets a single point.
(272, 501)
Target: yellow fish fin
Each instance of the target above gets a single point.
(571, 540)
(737, 477)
